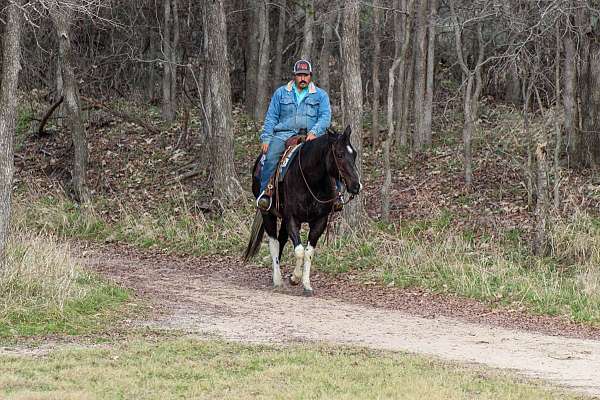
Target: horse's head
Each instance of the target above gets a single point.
(344, 156)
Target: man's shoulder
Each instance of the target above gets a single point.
(321, 92)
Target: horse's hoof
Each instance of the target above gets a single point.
(308, 292)
(278, 288)
(293, 280)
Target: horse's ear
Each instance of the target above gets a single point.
(348, 131)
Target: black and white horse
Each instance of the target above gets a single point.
(306, 194)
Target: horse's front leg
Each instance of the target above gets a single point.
(271, 229)
(293, 229)
(317, 228)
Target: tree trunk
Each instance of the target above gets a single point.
(375, 69)
(570, 102)
(307, 32)
(590, 105)
(278, 78)
(404, 85)
(324, 57)
(62, 17)
(468, 129)
(387, 173)
(251, 57)
(419, 135)
(557, 130)
(11, 65)
(263, 61)
(406, 99)
(225, 184)
(428, 111)
(168, 106)
(353, 213)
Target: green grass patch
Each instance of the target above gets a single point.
(43, 291)
(183, 368)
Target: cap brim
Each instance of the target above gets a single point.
(304, 71)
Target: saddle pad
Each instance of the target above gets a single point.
(286, 160)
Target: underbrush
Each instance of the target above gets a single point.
(432, 254)
(43, 291)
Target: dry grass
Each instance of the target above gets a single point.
(39, 273)
(43, 290)
(179, 368)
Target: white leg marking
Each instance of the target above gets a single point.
(274, 249)
(299, 252)
(307, 264)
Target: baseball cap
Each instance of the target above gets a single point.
(302, 67)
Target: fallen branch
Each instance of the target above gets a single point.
(123, 116)
(48, 114)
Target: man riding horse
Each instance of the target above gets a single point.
(297, 106)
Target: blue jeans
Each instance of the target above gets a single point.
(276, 148)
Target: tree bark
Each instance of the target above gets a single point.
(419, 135)
(251, 57)
(570, 102)
(428, 108)
(354, 213)
(263, 61)
(278, 77)
(168, 98)
(62, 17)
(375, 71)
(11, 65)
(406, 99)
(325, 55)
(226, 186)
(309, 22)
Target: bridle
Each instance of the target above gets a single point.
(340, 177)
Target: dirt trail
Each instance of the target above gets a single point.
(207, 300)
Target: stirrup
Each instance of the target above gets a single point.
(260, 196)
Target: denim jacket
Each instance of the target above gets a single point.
(284, 118)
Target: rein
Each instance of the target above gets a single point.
(339, 178)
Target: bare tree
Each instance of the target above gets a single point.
(402, 38)
(307, 32)
(471, 90)
(263, 60)
(11, 65)
(278, 56)
(62, 15)
(428, 106)
(225, 183)
(251, 59)
(354, 212)
(375, 70)
(325, 54)
(420, 56)
(170, 44)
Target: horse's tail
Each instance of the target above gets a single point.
(256, 234)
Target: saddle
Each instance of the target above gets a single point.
(291, 145)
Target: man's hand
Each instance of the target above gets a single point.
(310, 136)
(265, 148)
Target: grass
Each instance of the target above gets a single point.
(184, 368)
(430, 254)
(43, 291)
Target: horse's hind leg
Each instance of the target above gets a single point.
(271, 229)
(316, 230)
(283, 237)
(294, 233)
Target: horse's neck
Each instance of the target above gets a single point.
(315, 162)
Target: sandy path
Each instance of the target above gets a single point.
(205, 301)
